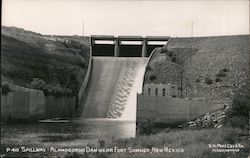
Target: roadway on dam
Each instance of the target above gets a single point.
(113, 85)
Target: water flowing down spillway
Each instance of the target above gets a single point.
(114, 84)
(123, 103)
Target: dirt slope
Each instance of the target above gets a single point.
(209, 67)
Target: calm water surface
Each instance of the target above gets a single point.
(78, 133)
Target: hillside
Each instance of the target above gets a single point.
(208, 67)
(55, 62)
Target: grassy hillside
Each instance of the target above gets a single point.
(55, 61)
(209, 67)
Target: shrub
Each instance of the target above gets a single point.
(75, 44)
(198, 80)
(73, 155)
(238, 122)
(221, 73)
(170, 54)
(217, 79)
(55, 90)
(145, 127)
(241, 106)
(239, 114)
(208, 80)
(231, 135)
(83, 64)
(225, 70)
(173, 59)
(166, 130)
(5, 87)
(152, 77)
(38, 83)
(163, 50)
(72, 84)
(148, 68)
(101, 143)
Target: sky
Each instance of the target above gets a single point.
(178, 18)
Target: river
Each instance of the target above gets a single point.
(73, 134)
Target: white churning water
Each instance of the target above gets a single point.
(114, 84)
(123, 101)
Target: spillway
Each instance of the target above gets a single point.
(113, 86)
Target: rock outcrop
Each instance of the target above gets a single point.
(210, 120)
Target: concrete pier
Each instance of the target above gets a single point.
(144, 47)
(117, 48)
(106, 45)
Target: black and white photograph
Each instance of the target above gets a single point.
(125, 79)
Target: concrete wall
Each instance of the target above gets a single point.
(22, 105)
(36, 104)
(30, 104)
(172, 110)
(167, 90)
(59, 106)
(82, 91)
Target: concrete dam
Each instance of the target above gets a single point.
(116, 76)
